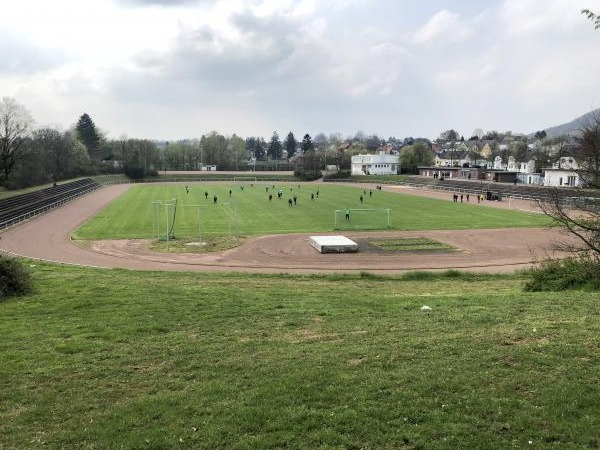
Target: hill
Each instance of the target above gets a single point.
(571, 127)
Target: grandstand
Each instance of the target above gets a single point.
(501, 190)
(22, 207)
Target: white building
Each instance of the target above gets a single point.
(561, 177)
(379, 164)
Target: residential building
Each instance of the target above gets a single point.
(378, 164)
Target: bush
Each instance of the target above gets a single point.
(580, 272)
(134, 172)
(14, 278)
(338, 175)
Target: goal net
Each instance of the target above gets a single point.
(200, 221)
(164, 213)
(362, 219)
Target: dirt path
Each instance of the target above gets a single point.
(46, 237)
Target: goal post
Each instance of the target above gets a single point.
(362, 219)
(164, 213)
(197, 222)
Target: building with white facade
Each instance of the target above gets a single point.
(563, 173)
(379, 164)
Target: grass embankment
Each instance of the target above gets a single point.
(110, 358)
(134, 216)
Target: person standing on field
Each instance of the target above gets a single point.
(347, 214)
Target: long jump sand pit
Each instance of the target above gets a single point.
(500, 250)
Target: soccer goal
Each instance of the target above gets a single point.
(362, 219)
(164, 213)
(207, 221)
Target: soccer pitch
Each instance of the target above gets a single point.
(249, 210)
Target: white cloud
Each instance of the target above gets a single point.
(162, 68)
(444, 26)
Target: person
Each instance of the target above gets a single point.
(214, 200)
(461, 198)
(229, 192)
(187, 189)
(289, 202)
(206, 195)
(317, 193)
(370, 193)
(312, 196)
(295, 200)
(467, 198)
(347, 214)
(361, 199)
(270, 197)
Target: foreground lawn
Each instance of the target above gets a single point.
(118, 359)
(134, 216)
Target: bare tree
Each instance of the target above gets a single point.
(587, 152)
(578, 212)
(15, 124)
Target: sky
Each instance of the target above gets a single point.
(178, 69)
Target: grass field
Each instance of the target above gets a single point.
(118, 359)
(131, 216)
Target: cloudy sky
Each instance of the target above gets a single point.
(174, 69)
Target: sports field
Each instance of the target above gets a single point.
(137, 213)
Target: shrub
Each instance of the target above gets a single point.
(577, 272)
(14, 278)
(134, 172)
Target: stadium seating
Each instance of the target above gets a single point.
(21, 207)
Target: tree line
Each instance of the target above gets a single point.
(33, 156)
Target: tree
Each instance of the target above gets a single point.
(237, 149)
(214, 149)
(593, 17)
(307, 145)
(290, 144)
(587, 152)
(15, 124)
(373, 142)
(55, 149)
(584, 221)
(449, 136)
(413, 156)
(88, 135)
(274, 148)
(518, 150)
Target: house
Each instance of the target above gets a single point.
(377, 164)
(563, 173)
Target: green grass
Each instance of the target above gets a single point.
(118, 359)
(411, 245)
(131, 216)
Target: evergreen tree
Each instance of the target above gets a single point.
(290, 144)
(307, 144)
(86, 131)
(274, 149)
